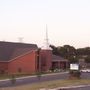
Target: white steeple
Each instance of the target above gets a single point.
(46, 43)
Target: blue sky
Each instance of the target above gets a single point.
(68, 21)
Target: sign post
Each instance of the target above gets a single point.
(74, 71)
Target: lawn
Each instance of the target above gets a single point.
(6, 76)
(49, 84)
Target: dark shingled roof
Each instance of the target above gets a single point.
(58, 58)
(10, 50)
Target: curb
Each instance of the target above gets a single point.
(66, 88)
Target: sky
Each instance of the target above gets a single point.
(68, 21)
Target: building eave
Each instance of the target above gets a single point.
(19, 56)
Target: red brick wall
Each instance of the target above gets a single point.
(3, 67)
(28, 63)
(24, 64)
(47, 56)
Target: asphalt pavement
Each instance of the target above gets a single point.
(33, 79)
(48, 77)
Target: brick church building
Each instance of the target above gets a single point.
(27, 58)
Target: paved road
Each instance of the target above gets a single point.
(85, 75)
(34, 79)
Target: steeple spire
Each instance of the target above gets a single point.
(46, 42)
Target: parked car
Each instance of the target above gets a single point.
(85, 70)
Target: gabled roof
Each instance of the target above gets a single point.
(58, 58)
(10, 50)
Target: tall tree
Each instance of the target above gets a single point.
(54, 50)
(83, 51)
(65, 51)
(87, 59)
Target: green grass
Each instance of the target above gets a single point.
(49, 84)
(6, 76)
(3, 76)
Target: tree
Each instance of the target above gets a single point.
(73, 59)
(54, 50)
(83, 51)
(87, 59)
(65, 51)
